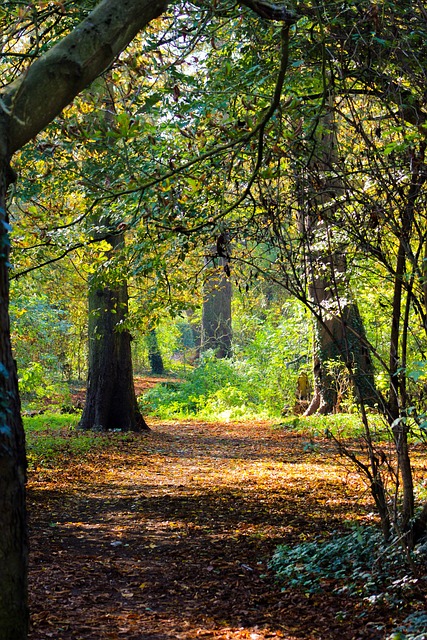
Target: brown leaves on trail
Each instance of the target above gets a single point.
(168, 536)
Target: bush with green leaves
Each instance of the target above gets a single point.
(271, 333)
(357, 562)
(37, 389)
(269, 351)
(219, 389)
(414, 627)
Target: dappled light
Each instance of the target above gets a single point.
(170, 535)
(213, 320)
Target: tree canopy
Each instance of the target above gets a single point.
(298, 131)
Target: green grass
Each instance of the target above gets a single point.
(52, 438)
(50, 421)
(341, 425)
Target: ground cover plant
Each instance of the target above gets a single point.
(232, 388)
(177, 533)
(53, 437)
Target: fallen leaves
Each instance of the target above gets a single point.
(168, 536)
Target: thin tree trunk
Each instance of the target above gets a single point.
(393, 404)
(397, 396)
(154, 355)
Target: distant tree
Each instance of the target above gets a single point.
(216, 331)
(154, 353)
(110, 398)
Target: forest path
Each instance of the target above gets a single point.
(167, 535)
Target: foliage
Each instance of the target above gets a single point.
(412, 628)
(37, 320)
(341, 425)
(220, 388)
(252, 385)
(53, 437)
(358, 562)
(38, 391)
(42, 335)
(49, 323)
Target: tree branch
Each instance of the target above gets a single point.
(271, 11)
(53, 81)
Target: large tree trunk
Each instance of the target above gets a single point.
(110, 400)
(340, 339)
(13, 532)
(339, 332)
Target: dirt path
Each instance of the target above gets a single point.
(168, 535)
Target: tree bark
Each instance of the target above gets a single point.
(339, 337)
(110, 400)
(339, 332)
(216, 313)
(154, 355)
(13, 538)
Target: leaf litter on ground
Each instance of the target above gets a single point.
(169, 535)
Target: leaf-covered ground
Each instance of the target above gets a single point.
(168, 535)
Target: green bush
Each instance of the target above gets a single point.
(270, 346)
(357, 562)
(219, 389)
(37, 389)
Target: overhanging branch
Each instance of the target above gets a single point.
(271, 11)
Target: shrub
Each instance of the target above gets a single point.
(37, 389)
(216, 388)
(358, 563)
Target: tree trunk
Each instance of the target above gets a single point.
(13, 526)
(216, 313)
(154, 355)
(339, 332)
(340, 338)
(398, 344)
(110, 400)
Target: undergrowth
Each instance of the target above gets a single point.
(53, 437)
(341, 425)
(217, 389)
(357, 563)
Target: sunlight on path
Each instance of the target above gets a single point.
(169, 535)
